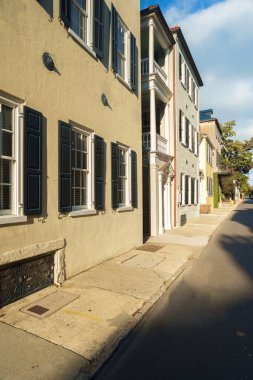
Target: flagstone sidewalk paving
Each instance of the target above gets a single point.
(103, 305)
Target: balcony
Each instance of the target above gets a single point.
(161, 143)
(158, 70)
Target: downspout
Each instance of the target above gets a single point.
(175, 137)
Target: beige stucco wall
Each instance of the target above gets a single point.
(210, 128)
(26, 32)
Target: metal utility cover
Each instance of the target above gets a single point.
(49, 304)
(150, 248)
(143, 261)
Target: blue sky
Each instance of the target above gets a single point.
(220, 36)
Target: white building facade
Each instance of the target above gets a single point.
(157, 122)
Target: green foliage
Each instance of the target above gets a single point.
(242, 183)
(215, 191)
(236, 155)
(227, 186)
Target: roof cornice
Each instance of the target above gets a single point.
(177, 30)
(155, 9)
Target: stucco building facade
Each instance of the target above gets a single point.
(210, 155)
(187, 82)
(70, 159)
(157, 122)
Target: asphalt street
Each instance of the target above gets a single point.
(202, 328)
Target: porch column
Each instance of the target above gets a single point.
(168, 219)
(151, 47)
(152, 121)
(161, 206)
(166, 52)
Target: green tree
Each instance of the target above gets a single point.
(236, 156)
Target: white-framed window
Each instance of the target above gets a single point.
(195, 191)
(196, 97)
(190, 136)
(122, 53)
(82, 169)
(182, 189)
(124, 177)
(11, 161)
(196, 143)
(80, 11)
(209, 153)
(85, 22)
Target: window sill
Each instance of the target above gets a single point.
(81, 43)
(82, 213)
(125, 208)
(11, 219)
(124, 82)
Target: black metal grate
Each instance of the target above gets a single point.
(21, 279)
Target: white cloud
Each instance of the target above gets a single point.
(220, 38)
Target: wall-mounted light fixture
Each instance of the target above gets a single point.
(104, 100)
(48, 61)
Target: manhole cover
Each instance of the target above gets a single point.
(49, 304)
(38, 309)
(150, 247)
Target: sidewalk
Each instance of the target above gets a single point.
(102, 305)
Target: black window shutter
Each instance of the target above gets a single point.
(99, 173)
(115, 175)
(181, 189)
(186, 189)
(187, 124)
(133, 61)
(180, 66)
(65, 167)
(32, 162)
(180, 125)
(65, 11)
(134, 179)
(114, 39)
(98, 27)
(197, 190)
(192, 190)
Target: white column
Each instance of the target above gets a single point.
(166, 51)
(160, 219)
(152, 121)
(151, 47)
(168, 222)
(167, 127)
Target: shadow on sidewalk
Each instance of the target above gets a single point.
(202, 329)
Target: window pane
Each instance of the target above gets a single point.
(77, 197)
(78, 19)
(79, 174)
(82, 3)
(78, 159)
(5, 171)
(77, 178)
(7, 117)
(5, 197)
(7, 143)
(120, 36)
